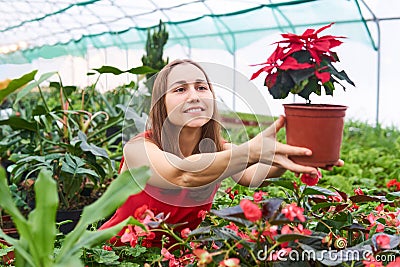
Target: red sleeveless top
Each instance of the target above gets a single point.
(182, 205)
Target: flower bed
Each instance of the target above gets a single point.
(347, 213)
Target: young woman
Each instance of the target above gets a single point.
(188, 157)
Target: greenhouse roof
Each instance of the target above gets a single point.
(32, 29)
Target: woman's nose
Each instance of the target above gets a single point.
(192, 94)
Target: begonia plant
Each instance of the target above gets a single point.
(303, 64)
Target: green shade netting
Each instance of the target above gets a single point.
(52, 28)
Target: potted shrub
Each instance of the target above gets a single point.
(302, 65)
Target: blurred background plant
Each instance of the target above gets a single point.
(74, 132)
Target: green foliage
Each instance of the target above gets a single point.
(155, 43)
(35, 246)
(73, 132)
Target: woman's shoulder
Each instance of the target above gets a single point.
(146, 135)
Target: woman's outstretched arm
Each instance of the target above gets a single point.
(170, 171)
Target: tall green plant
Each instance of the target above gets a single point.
(155, 43)
(35, 246)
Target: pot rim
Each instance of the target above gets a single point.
(315, 106)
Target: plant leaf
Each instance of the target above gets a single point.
(109, 69)
(316, 190)
(42, 219)
(270, 207)
(16, 84)
(142, 70)
(17, 123)
(127, 183)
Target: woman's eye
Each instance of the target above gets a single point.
(180, 89)
(202, 88)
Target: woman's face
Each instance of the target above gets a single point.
(188, 100)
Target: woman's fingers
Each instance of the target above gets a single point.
(292, 150)
(286, 163)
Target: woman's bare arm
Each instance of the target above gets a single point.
(169, 171)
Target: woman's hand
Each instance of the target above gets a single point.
(272, 152)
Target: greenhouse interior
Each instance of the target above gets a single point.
(199, 133)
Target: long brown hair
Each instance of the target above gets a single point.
(165, 134)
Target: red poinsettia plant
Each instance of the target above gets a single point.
(302, 64)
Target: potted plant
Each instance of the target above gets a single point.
(302, 65)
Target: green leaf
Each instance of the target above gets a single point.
(32, 85)
(136, 251)
(16, 84)
(42, 219)
(55, 85)
(109, 69)
(17, 123)
(324, 205)
(7, 203)
(311, 87)
(393, 195)
(95, 150)
(316, 190)
(284, 83)
(73, 164)
(270, 207)
(301, 75)
(234, 214)
(329, 88)
(104, 256)
(70, 89)
(284, 182)
(142, 70)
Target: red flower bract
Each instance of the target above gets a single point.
(251, 211)
(292, 210)
(302, 64)
(310, 181)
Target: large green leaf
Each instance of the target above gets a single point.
(116, 71)
(7, 203)
(42, 218)
(109, 69)
(17, 123)
(95, 150)
(234, 214)
(142, 70)
(16, 84)
(128, 183)
(316, 190)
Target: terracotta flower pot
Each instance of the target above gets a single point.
(317, 127)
